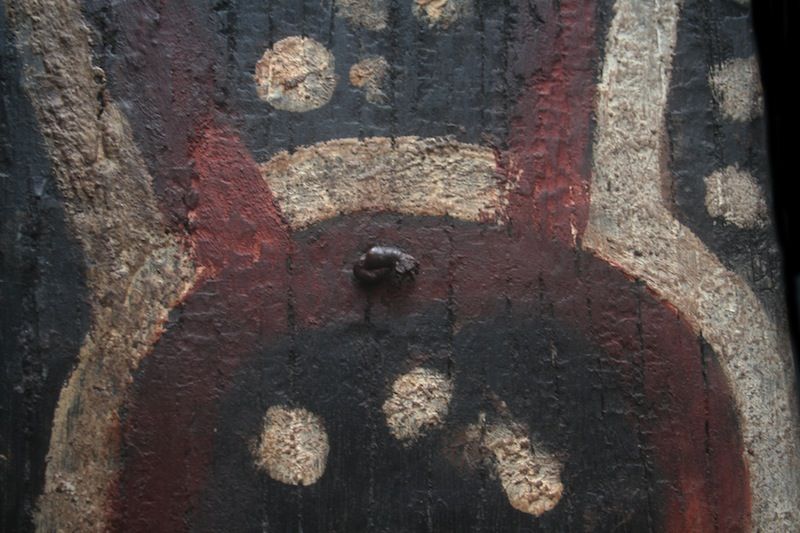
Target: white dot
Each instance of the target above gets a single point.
(530, 476)
(293, 447)
(370, 74)
(369, 14)
(736, 87)
(733, 195)
(296, 74)
(419, 400)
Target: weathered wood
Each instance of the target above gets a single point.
(594, 337)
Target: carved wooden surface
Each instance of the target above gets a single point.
(595, 339)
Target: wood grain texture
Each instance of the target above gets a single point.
(135, 272)
(587, 345)
(630, 224)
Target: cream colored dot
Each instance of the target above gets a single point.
(441, 13)
(369, 14)
(736, 87)
(531, 477)
(293, 447)
(296, 74)
(370, 74)
(419, 401)
(733, 195)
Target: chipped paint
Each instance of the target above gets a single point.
(412, 175)
(733, 195)
(296, 74)
(736, 87)
(370, 74)
(630, 226)
(293, 447)
(419, 401)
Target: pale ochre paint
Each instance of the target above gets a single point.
(733, 195)
(529, 474)
(371, 75)
(441, 13)
(412, 175)
(136, 271)
(367, 14)
(293, 446)
(297, 74)
(630, 226)
(419, 401)
(736, 86)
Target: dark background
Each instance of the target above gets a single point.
(44, 313)
(776, 37)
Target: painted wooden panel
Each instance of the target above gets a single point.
(595, 336)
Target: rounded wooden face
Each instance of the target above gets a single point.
(517, 382)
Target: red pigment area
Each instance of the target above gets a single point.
(674, 389)
(550, 136)
(256, 284)
(241, 251)
(686, 417)
(234, 219)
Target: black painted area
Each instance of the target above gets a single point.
(442, 82)
(43, 310)
(703, 140)
(648, 434)
(374, 483)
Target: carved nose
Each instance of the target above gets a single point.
(381, 263)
